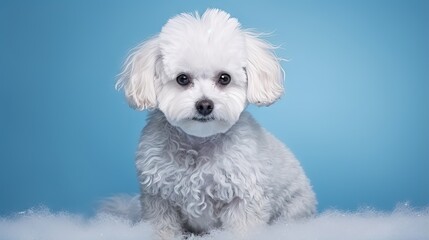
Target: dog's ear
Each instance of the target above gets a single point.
(264, 73)
(138, 75)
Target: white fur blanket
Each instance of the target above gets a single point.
(117, 220)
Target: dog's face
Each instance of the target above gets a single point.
(203, 84)
(201, 72)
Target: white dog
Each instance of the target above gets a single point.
(203, 162)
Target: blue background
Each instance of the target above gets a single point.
(355, 111)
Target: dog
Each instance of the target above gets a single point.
(203, 162)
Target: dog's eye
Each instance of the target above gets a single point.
(224, 79)
(183, 79)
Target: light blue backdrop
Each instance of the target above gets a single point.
(355, 110)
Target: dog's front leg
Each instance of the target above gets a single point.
(240, 216)
(163, 217)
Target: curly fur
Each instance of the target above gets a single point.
(225, 171)
(200, 177)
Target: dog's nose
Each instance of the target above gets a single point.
(204, 107)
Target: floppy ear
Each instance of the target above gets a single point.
(264, 73)
(137, 77)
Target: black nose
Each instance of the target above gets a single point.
(204, 107)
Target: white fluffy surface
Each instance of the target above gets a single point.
(42, 224)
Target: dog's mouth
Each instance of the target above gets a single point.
(203, 119)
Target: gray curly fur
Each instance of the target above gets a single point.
(238, 179)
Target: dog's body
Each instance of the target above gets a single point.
(203, 162)
(239, 179)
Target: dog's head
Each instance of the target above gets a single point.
(201, 71)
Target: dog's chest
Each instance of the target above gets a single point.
(200, 176)
(195, 179)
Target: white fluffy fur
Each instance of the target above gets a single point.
(225, 172)
(402, 223)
